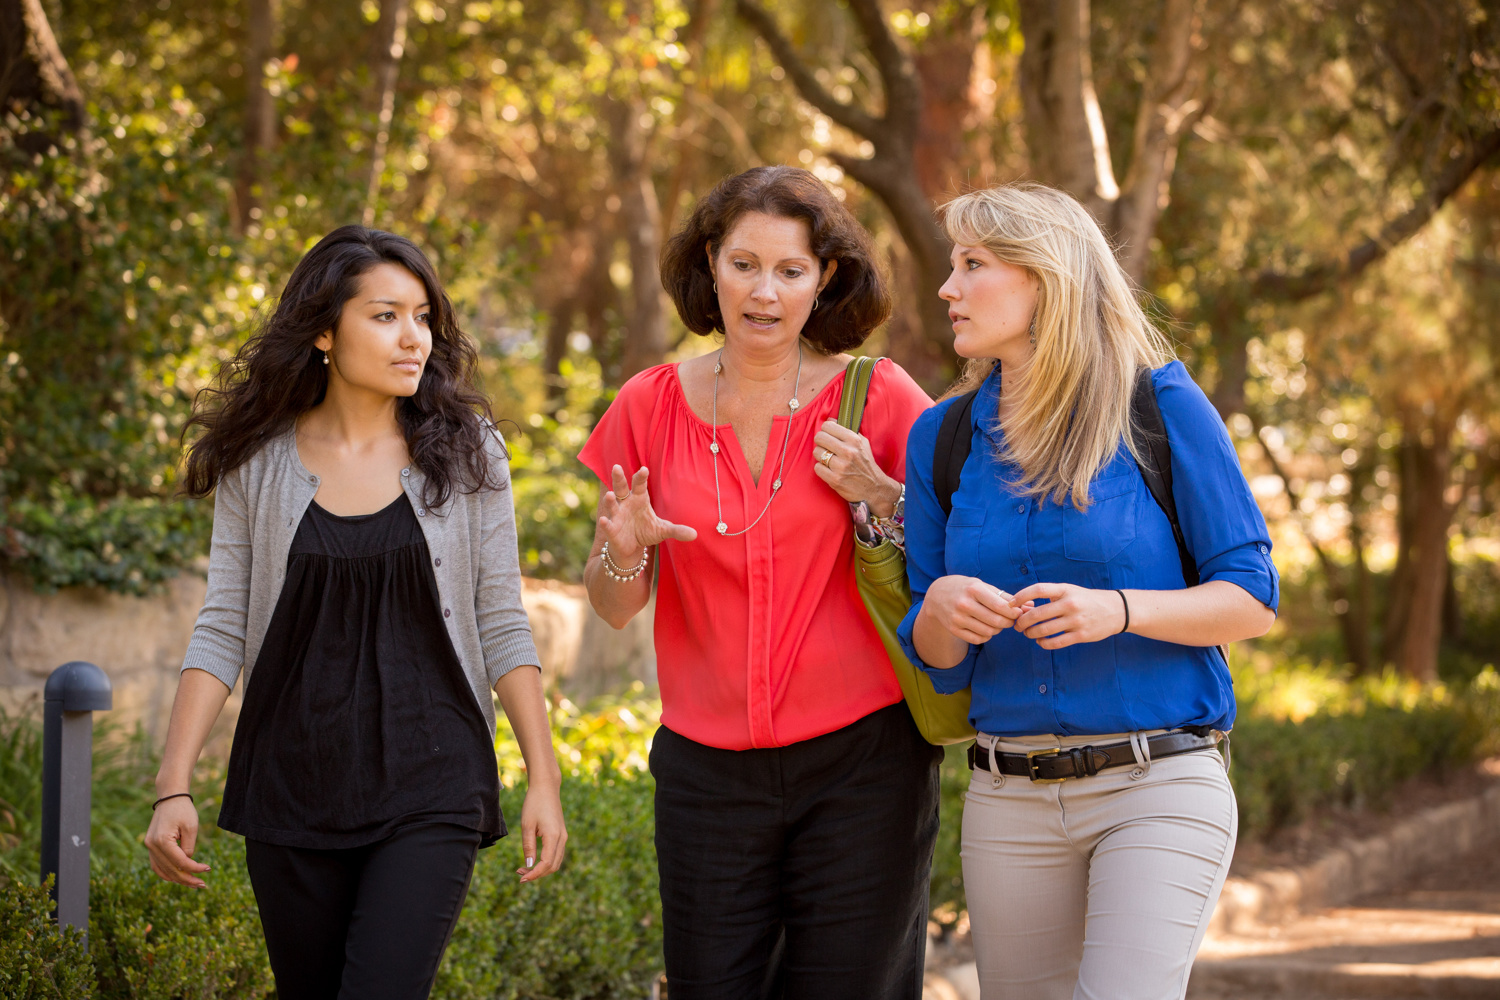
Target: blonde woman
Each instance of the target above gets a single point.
(1099, 822)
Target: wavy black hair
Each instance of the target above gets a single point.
(278, 374)
(856, 300)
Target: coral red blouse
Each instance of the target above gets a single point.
(761, 639)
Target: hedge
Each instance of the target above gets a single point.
(594, 929)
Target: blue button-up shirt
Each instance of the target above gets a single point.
(1119, 684)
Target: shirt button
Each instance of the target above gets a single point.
(1023, 568)
(405, 472)
(1020, 508)
(447, 613)
(312, 479)
(438, 561)
(421, 512)
(1042, 689)
(1264, 550)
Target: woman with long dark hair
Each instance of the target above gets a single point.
(364, 576)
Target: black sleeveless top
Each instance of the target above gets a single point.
(360, 720)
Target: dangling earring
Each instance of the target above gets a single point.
(1032, 329)
(325, 354)
(716, 288)
(815, 304)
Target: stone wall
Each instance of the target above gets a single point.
(140, 641)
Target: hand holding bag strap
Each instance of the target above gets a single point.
(880, 576)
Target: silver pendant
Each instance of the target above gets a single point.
(714, 447)
(776, 486)
(794, 404)
(722, 527)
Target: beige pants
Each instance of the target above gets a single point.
(1095, 888)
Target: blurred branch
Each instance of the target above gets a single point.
(33, 69)
(390, 44)
(1169, 108)
(854, 119)
(259, 132)
(1282, 286)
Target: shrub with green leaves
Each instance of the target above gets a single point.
(39, 961)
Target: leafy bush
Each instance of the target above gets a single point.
(155, 941)
(1307, 740)
(129, 545)
(37, 959)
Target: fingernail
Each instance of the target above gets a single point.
(530, 863)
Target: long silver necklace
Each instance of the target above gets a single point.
(721, 527)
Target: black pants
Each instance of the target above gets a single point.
(825, 845)
(364, 922)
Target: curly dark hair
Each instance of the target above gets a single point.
(856, 300)
(278, 375)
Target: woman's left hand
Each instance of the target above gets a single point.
(542, 817)
(1071, 615)
(842, 459)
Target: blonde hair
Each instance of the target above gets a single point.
(1072, 399)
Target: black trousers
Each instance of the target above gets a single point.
(820, 852)
(365, 922)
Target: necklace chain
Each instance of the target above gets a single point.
(713, 447)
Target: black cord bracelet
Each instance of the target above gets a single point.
(174, 795)
(1126, 627)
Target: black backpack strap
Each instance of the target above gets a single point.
(952, 449)
(1155, 463)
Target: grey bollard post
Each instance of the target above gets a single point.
(74, 692)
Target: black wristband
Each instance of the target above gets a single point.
(1126, 627)
(174, 795)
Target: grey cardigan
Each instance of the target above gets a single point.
(472, 541)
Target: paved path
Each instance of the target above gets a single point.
(1439, 936)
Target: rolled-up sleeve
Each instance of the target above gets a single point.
(926, 536)
(504, 629)
(217, 645)
(1224, 527)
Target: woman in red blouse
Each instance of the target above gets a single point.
(796, 803)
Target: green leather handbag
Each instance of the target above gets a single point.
(880, 573)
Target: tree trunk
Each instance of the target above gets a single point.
(1064, 126)
(945, 68)
(33, 72)
(390, 34)
(640, 217)
(1417, 598)
(259, 133)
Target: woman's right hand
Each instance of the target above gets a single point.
(629, 523)
(172, 838)
(968, 608)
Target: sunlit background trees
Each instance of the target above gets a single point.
(1307, 191)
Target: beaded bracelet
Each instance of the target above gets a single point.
(617, 573)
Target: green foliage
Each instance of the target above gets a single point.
(130, 545)
(591, 930)
(39, 961)
(1308, 740)
(152, 940)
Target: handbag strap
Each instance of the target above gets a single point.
(857, 378)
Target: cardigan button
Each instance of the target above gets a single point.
(313, 480)
(447, 613)
(406, 472)
(421, 512)
(438, 561)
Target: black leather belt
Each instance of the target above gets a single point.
(1059, 764)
